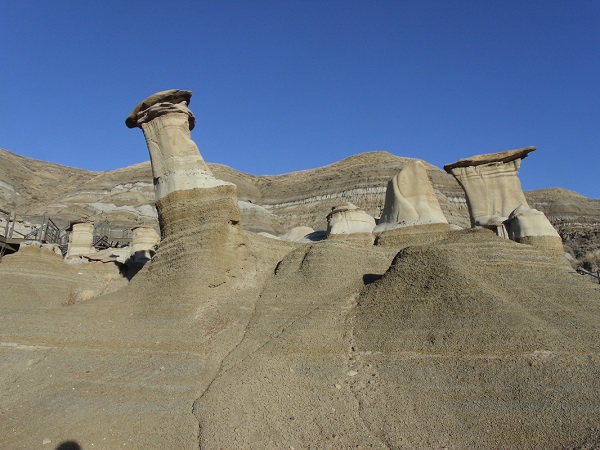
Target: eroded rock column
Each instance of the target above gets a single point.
(81, 239)
(176, 161)
(496, 200)
(202, 240)
(491, 185)
(410, 200)
(143, 244)
(349, 219)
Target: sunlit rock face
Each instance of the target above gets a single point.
(144, 243)
(491, 185)
(496, 200)
(81, 239)
(349, 219)
(530, 226)
(176, 161)
(410, 200)
(198, 214)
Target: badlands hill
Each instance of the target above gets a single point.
(273, 204)
(444, 338)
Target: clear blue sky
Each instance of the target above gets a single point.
(284, 85)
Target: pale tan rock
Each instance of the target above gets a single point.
(297, 234)
(349, 219)
(202, 239)
(491, 185)
(176, 161)
(496, 200)
(144, 243)
(410, 200)
(526, 222)
(81, 239)
(530, 226)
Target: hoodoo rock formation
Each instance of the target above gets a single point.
(81, 239)
(491, 185)
(176, 161)
(434, 337)
(143, 244)
(410, 200)
(349, 219)
(199, 217)
(496, 201)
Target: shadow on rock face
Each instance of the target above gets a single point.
(135, 263)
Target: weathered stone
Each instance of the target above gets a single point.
(526, 222)
(166, 99)
(297, 234)
(530, 226)
(202, 240)
(348, 219)
(410, 200)
(81, 239)
(144, 242)
(491, 185)
(176, 161)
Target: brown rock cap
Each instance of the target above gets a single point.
(478, 160)
(173, 96)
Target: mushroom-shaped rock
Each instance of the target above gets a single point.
(410, 200)
(496, 200)
(202, 240)
(491, 185)
(349, 219)
(176, 161)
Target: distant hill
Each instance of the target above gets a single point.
(273, 203)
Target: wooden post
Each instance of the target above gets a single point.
(12, 230)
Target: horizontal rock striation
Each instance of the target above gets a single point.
(267, 203)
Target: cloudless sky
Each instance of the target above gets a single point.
(285, 85)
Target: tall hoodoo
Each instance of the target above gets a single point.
(410, 200)
(496, 200)
(202, 240)
(176, 161)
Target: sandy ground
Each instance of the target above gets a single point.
(465, 342)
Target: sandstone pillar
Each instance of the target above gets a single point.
(491, 185)
(496, 200)
(410, 200)
(349, 219)
(176, 161)
(143, 244)
(81, 239)
(202, 240)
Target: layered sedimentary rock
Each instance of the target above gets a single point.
(530, 226)
(144, 242)
(496, 200)
(349, 219)
(267, 203)
(81, 239)
(125, 197)
(176, 161)
(491, 185)
(410, 200)
(202, 240)
(465, 343)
